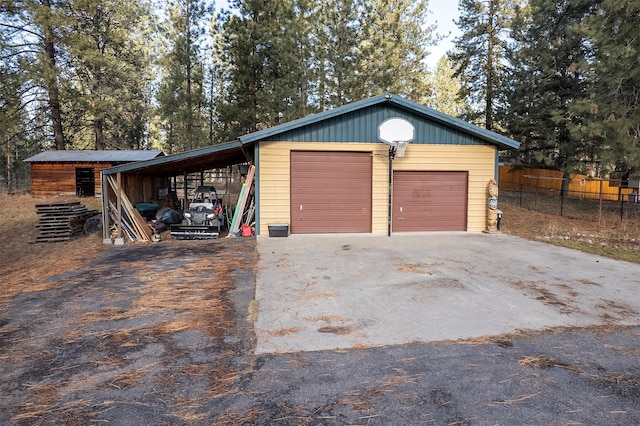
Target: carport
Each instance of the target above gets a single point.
(141, 181)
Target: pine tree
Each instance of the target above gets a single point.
(445, 90)
(217, 70)
(392, 47)
(182, 94)
(12, 119)
(338, 27)
(613, 107)
(479, 55)
(268, 56)
(29, 32)
(548, 83)
(110, 64)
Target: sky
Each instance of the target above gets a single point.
(444, 12)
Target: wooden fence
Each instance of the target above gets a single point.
(550, 181)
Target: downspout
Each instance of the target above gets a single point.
(496, 171)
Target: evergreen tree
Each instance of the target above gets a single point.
(215, 79)
(268, 59)
(549, 84)
(110, 64)
(338, 27)
(12, 120)
(29, 33)
(613, 107)
(393, 45)
(445, 90)
(303, 76)
(182, 93)
(479, 55)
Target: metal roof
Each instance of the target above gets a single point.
(211, 157)
(357, 122)
(87, 156)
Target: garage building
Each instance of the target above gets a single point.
(331, 172)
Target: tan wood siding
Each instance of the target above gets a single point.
(429, 201)
(478, 161)
(330, 192)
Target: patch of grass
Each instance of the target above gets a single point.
(617, 253)
(604, 235)
(27, 265)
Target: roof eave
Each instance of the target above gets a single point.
(311, 119)
(166, 159)
(502, 142)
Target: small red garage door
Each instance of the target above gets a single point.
(330, 192)
(429, 201)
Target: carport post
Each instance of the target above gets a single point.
(119, 239)
(105, 208)
(185, 192)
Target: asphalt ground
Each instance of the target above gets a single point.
(165, 334)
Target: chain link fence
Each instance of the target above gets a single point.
(18, 180)
(574, 199)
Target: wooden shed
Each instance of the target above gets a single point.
(342, 171)
(76, 172)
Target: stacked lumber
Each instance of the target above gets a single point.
(133, 225)
(61, 221)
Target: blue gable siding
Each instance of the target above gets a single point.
(362, 126)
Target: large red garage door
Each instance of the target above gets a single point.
(330, 192)
(429, 201)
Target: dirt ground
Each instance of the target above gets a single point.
(144, 334)
(606, 235)
(162, 334)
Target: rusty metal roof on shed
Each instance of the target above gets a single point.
(93, 156)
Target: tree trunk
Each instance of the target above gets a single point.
(9, 177)
(52, 82)
(490, 59)
(189, 123)
(98, 127)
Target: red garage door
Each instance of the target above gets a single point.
(429, 201)
(330, 192)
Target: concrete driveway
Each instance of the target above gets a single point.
(322, 292)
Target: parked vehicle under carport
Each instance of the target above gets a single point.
(204, 218)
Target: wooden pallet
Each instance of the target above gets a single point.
(61, 221)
